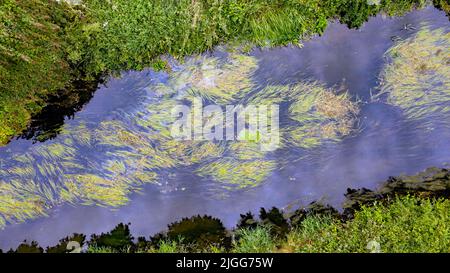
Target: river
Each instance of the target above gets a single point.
(382, 141)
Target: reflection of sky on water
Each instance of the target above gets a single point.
(387, 144)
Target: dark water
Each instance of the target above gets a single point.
(48, 123)
(387, 143)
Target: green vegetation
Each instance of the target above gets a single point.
(119, 239)
(33, 59)
(46, 45)
(320, 115)
(238, 173)
(55, 172)
(197, 231)
(132, 33)
(417, 79)
(406, 225)
(407, 214)
(443, 5)
(258, 240)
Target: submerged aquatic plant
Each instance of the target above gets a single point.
(23, 199)
(236, 173)
(218, 80)
(417, 78)
(243, 165)
(319, 114)
(101, 163)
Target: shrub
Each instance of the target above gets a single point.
(119, 239)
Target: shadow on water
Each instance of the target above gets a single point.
(48, 123)
(386, 145)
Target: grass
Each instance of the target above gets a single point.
(45, 45)
(33, 61)
(406, 225)
(185, 27)
(409, 224)
(443, 5)
(258, 240)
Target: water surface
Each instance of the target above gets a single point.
(385, 142)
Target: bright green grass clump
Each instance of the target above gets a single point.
(418, 77)
(409, 224)
(130, 34)
(258, 240)
(405, 225)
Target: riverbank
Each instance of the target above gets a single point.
(38, 66)
(49, 47)
(406, 214)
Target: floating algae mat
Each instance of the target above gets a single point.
(103, 162)
(417, 78)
